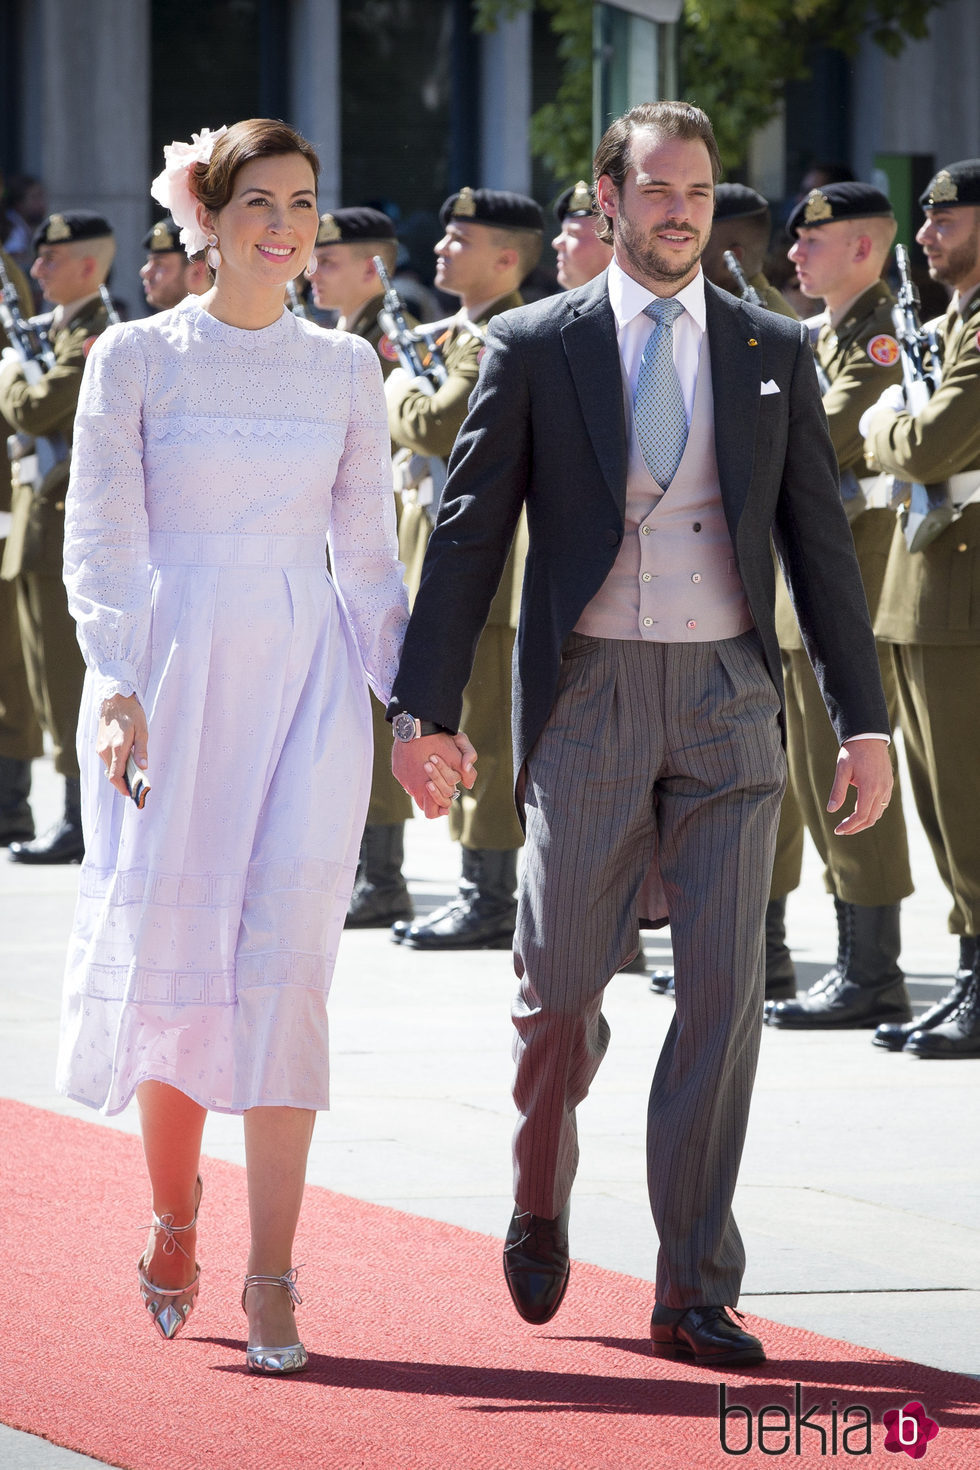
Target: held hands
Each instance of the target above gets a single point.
(122, 728)
(866, 765)
(431, 767)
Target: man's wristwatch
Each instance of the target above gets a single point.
(406, 727)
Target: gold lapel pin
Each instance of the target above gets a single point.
(753, 342)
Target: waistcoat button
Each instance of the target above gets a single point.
(648, 622)
(696, 577)
(691, 623)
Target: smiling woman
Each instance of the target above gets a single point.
(217, 446)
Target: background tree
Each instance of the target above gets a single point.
(735, 55)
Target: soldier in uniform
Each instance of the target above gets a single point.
(929, 610)
(346, 281)
(168, 276)
(842, 237)
(20, 735)
(74, 255)
(492, 240)
(581, 254)
(742, 223)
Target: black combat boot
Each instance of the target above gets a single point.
(63, 843)
(780, 974)
(894, 1037)
(16, 820)
(380, 895)
(483, 914)
(866, 985)
(958, 1035)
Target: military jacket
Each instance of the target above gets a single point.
(860, 359)
(428, 424)
(772, 299)
(933, 596)
(365, 324)
(19, 280)
(47, 408)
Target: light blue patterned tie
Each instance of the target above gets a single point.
(658, 403)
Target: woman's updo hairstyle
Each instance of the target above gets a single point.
(244, 142)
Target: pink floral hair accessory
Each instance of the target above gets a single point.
(172, 188)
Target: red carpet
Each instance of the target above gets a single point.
(417, 1358)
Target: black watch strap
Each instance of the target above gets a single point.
(429, 727)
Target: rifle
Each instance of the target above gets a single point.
(112, 314)
(745, 290)
(27, 341)
(296, 304)
(416, 349)
(926, 510)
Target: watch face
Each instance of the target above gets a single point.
(403, 726)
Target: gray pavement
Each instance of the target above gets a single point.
(859, 1195)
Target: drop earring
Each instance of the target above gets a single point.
(213, 255)
(311, 266)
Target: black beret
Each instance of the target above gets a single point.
(71, 225)
(496, 207)
(576, 201)
(738, 201)
(351, 226)
(848, 200)
(958, 183)
(163, 238)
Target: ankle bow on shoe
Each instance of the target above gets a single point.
(170, 1308)
(276, 1360)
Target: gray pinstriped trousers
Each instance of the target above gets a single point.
(666, 751)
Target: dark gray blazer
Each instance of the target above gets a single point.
(546, 430)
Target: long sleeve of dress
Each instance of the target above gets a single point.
(363, 537)
(106, 531)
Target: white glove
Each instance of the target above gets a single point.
(891, 401)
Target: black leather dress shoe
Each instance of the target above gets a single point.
(842, 1004)
(536, 1263)
(706, 1335)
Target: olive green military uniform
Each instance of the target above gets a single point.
(20, 735)
(872, 867)
(484, 818)
(32, 557)
(390, 803)
(771, 299)
(929, 611)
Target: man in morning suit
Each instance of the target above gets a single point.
(654, 465)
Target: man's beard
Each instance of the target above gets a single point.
(644, 255)
(960, 262)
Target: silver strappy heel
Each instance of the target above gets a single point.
(171, 1309)
(276, 1359)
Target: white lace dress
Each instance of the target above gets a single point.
(209, 465)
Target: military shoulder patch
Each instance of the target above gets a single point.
(883, 350)
(388, 349)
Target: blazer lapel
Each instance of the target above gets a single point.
(589, 339)
(736, 374)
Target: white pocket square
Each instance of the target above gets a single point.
(771, 387)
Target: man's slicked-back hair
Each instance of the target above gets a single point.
(674, 120)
